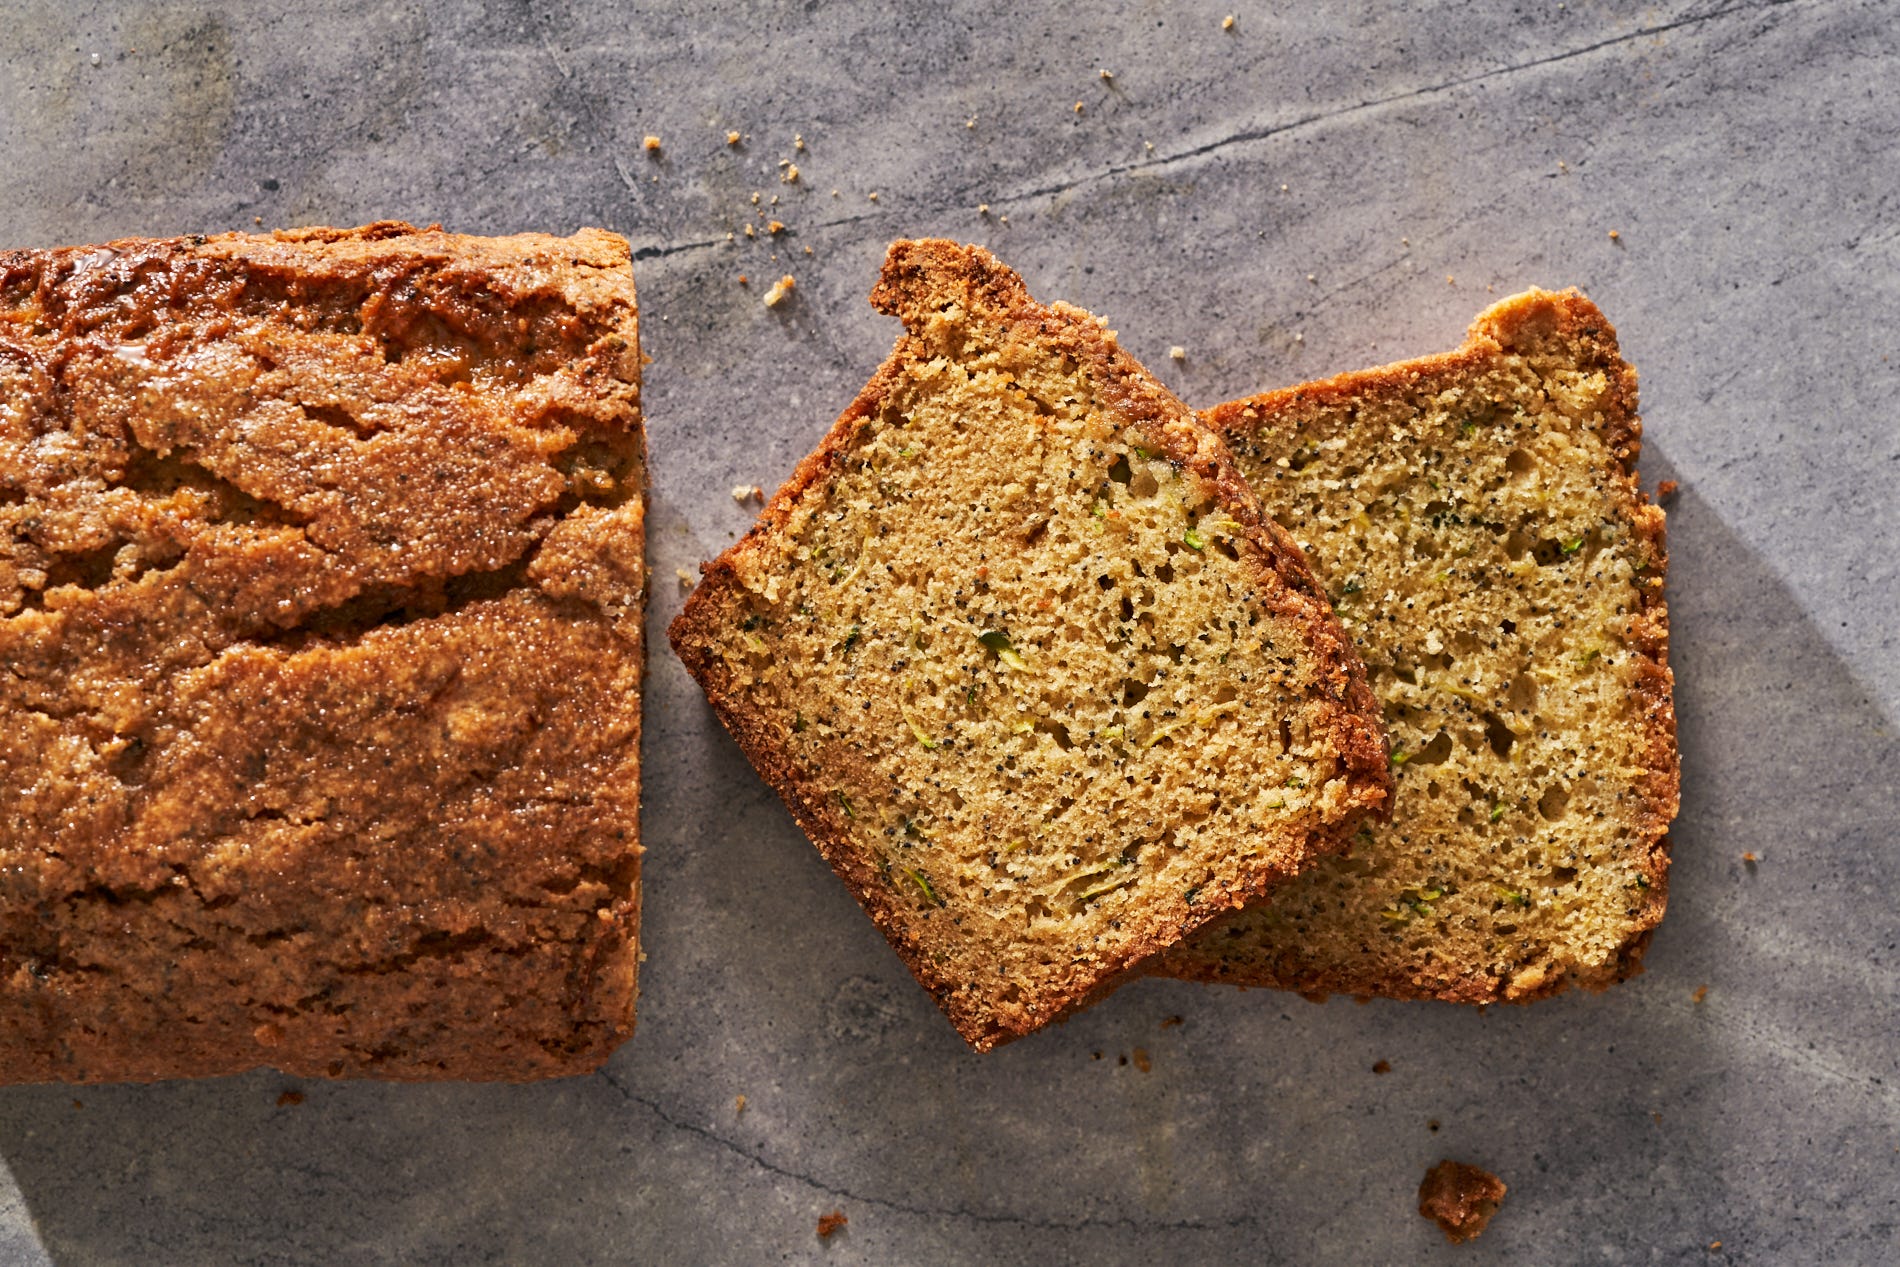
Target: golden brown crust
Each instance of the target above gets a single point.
(319, 747)
(918, 279)
(1519, 323)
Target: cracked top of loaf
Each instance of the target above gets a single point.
(320, 649)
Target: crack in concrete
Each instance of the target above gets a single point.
(918, 1211)
(1251, 135)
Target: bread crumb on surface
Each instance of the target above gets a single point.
(687, 579)
(798, 140)
(1108, 74)
(1177, 352)
(733, 138)
(1615, 236)
(1701, 993)
(1383, 1066)
(982, 208)
(791, 174)
(289, 1099)
(652, 144)
(743, 493)
(1667, 488)
(781, 290)
(872, 195)
(1169, 1022)
(1142, 1062)
(1078, 107)
(1461, 1199)
(738, 1104)
(1751, 858)
(829, 1223)
(1227, 23)
(777, 226)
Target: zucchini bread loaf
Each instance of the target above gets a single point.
(1016, 650)
(1477, 519)
(320, 625)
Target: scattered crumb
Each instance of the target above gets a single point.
(1461, 1199)
(808, 250)
(1299, 338)
(756, 195)
(798, 140)
(872, 195)
(289, 1099)
(1701, 993)
(1432, 1125)
(1004, 219)
(1715, 1245)
(686, 579)
(780, 290)
(982, 208)
(1227, 23)
(749, 233)
(1562, 166)
(1313, 277)
(1615, 236)
(829, 1223)
(743, 493)
(1449, 281)
(834, 193)
(742, 279)
(1170, 1022)
(791, 174)
(777, 226)
(257, 219)
(1141, 1060)
(732, 138)
(1178, 352)
(1667, 488)
(1108, 75)
(970, 122)
(1750, 858)
(1283, 189)
(738, 1105)
(1078, 107)
(653, 144)
(1384, 1066)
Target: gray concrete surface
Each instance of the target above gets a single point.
(1333, 185)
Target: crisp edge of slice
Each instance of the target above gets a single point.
(1577, 321)
(918, 279)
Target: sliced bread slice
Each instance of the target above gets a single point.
(1477, 519)
(1016, 650)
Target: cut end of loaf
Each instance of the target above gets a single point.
(1018, 652)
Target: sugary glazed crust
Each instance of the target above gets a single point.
(463, 900)
(1535, 315)
(918, 279)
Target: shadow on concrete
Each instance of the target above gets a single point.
(1638, 1124)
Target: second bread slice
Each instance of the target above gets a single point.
(1019, 654)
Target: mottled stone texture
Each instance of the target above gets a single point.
(1405, 159)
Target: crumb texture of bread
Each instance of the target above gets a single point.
(1477, 520)
(1020, 656)
(1461, 1199)
(321, 590)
